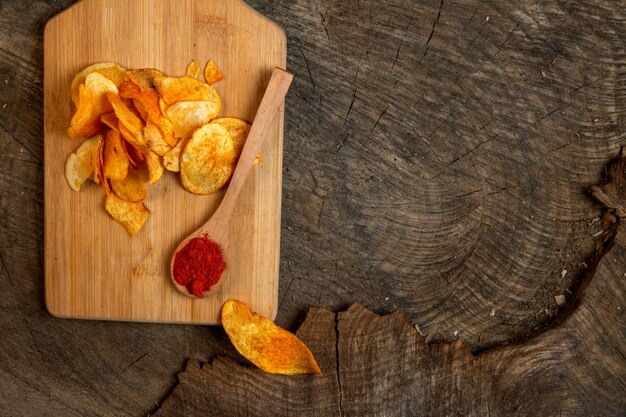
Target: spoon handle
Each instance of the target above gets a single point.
(270, 103)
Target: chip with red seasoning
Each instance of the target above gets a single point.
(271, 348)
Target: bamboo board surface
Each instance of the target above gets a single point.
(93, 268)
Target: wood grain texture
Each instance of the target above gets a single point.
(384, 367)
(477, 238)
(93, 268)
(449, 148)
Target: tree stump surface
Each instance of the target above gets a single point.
(382, 366)
(438, 158)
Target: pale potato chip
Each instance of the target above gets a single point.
(271, 348)
(81, 164)
(132, 188)
(206, 162)
(130, 215)
(154, 138)
(175, 89)
(130, 125)
(171, 160)
(115, 157)
(155, 166)
(238, 130)
(187, 116)
(193, 69)
(92, 103)
(211, 73)
(111, 70)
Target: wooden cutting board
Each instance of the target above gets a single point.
(93, 268)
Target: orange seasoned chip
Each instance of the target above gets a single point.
(144, 78)
(92, 103)
(147, 104)
(130, 215)
(110, 70)
(259, 159)
(81, 164)
(193, 69)
(133, 187)
(110, 119)
(272, 349)
(140, 109)
(171, 160)
(175, 89)
(115, 159)
(155, 166)
(99, 169)
(129, 90)
(134, 153)
(187, 116)
(206, 162)
(130, 125)
(154, 138)
(211, 73)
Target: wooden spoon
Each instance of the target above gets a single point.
(216, 228)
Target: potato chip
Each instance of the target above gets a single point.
(92, 103)
(238, 130)
(140, 109)
(144, 78)
(155, 166)
(110, 70)
(187, 116)
(171, 160)
(135, 156)
(102, 180)
(130, 125)
(259, 159)
(110, 119)
(154, 138)
(271, 348)
(130, 215)
(163, 106)
(175, 89)
(130, 90)
(133, 187)
(167, 130)
(211, 73)
(95, 163)
(193, 69)
(80, 165)
(115, 158)
(147, 104)
(207, 160)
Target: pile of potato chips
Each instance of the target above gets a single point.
(138, 123)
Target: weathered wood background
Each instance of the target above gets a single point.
(438, 157)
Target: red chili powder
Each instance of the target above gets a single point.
(199, 265)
